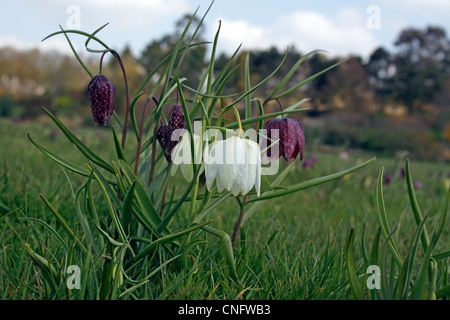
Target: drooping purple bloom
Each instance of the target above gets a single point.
(291, 138)
(402, 172)
(101, 93)
(388, 179)
(310, 161)
(307, 164)
(167, 135)
(162, 134)
(417, 184)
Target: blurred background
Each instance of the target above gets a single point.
(390, 95)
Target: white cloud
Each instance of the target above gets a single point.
(132, 13)
(343, 34)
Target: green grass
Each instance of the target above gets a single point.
(292, 248)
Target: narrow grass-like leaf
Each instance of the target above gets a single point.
(175, 51)
(248, 92)
(212, 206)
(225, 237)
(442, 292)
(53, 231)
(82, 217)
(363, 245)
(415, 206)
(351, 268)
(151, 216)
(76, 54)
(248, 101)
(419, 286)
(160, 64)
(64, 224)
(374, 248)
(212, 60)
(48, 271)
(407, 268)
(252, 209)
(442, 255)
(66, 164)
(117, 144)
(383, 220)
(88, 35)
(168, 217)
(91, 36)
(127, 207)
(166, 239)
(251, 120)
(93, 210)
(291, 73)
(311, 183)
(133, 115)
(79, 145)
(111, 209)
(107, 271)
(302, 83)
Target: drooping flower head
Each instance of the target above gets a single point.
(234, 164)
(417, 184)
(169, 135)
(291, 138)
(101, 93)
(402, 172)
(388, 179)
(310, 161)
(162, 135)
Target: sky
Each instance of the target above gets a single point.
(340, 27)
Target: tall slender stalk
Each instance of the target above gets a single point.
(237, 227)
(141, 129)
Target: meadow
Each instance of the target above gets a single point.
(313, 244)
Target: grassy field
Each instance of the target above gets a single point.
(292, 247)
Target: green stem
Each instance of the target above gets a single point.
(194, 195)
(237, 227)
(236, 113)
(141, 129)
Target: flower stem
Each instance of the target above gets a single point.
(141, 129)
(237, 227)
(101, 62)
(152, 165)
(127, 91)
(194, 196)
(236, 113)
(153, 161)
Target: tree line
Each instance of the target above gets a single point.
(410, 81)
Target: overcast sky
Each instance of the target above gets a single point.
(339, 27)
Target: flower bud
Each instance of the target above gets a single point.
(169, 135)
(101, 95)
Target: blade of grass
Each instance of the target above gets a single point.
(311, 183)
(64, 224)
(351, 268)
(79, 145)
(415, 206)
(383, 220)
